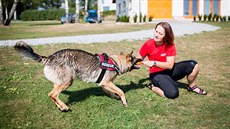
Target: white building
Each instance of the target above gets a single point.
(172, 9)
(106, 5)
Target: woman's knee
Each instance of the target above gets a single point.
(193, 63)
(173, 94)
(192, 66)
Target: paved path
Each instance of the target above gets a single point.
(179, 27)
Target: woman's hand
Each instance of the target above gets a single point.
(148, 63)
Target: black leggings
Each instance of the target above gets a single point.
(166, 80)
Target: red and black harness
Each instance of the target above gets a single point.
(106, 64)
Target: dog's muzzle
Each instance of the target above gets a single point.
(134, 63)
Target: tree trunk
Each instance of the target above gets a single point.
(77, 12)
(8, 20)
(1, 13)
(67, 11)
(98, 11)
(86, 9)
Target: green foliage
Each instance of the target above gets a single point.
(140, 17)
(217, 17)
(199, 17)
(205, 17)
(135, 18)
(123, 18)
(194, 18)
(214, 17)
(150, 18)
(224, 18)
(210, 17)
(38, 15)
(109, 13)
(144, 18)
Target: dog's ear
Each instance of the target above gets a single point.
(121, 53)
(131, 52)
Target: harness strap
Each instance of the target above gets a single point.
(103, 70)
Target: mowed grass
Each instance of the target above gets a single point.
(41, 29)
(24, 102)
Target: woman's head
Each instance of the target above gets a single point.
(163, 32)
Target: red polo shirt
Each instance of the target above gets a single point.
(156, 53)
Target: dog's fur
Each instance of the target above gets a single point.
(62, 67)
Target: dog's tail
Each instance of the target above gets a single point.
(26, 51)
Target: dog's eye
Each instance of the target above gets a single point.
(132, 58)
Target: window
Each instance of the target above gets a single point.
(206, 7)
(194, 7)
(215, 7)
(119, 9)
(130, 4)
(106, 8)
(186, 7)
(124, 6)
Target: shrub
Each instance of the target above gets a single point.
(221, 18)
(224, 18)
(118, 19)
(50, 14)
(150, 18)
(205, 17)
(194, 18)
(199, 17)
(140, 18)
(210, 17)
(109, 13)
(214, 17)
(144, 18)
(135, 18)
(217, 17)
(123, 18)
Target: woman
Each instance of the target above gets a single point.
(164, 72)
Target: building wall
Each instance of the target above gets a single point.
(201, 7)
(160, 8)
(177, 8)
(106, 4)
(225, 8)
(170, 8)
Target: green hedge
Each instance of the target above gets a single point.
(109, 13)
(38, 15)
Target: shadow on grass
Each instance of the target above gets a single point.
(80, 95)
(44, 24)
(182, 85)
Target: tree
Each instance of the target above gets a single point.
(47, 4)
(67, 11)
(86, 10)
(8, 20)
(1, 13)
(77, 12)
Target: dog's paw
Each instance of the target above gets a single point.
(65, 110)
(125, 103)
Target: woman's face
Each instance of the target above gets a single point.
(159, 34)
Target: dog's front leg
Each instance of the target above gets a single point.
(114, 89)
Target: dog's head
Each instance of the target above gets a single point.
(130, 62)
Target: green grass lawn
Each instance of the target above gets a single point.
(41, 29)
(24, 101)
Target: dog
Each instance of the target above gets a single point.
(62, 67)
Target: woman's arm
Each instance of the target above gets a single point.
(165, 65)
